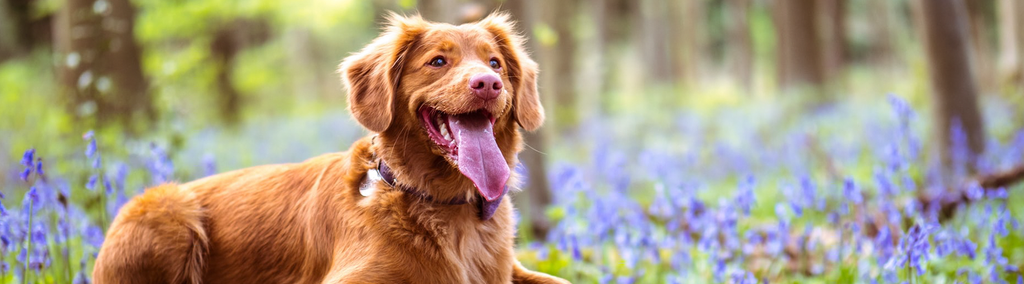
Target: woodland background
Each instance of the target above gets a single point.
(664, 115)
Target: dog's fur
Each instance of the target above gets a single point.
(308, 223)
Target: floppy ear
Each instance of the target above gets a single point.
(373, 74)
(522, 71)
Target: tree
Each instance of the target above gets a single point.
(445, 11)
(741, 50)
(1011, 42)
(881, 52)
(670, 34)
(832, 19)
(978, 17)
(99, 66)
(228, 41)
(945, 29)
(798, 52)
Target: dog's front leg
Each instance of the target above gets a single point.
(520, 275)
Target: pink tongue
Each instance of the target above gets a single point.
(479, 157)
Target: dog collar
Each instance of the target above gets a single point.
(383, 172)
(389, 178)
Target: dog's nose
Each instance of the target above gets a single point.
(485, 85)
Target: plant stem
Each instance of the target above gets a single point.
(28, 244)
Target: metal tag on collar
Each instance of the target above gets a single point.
(369, 184)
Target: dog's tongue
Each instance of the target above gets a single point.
(478, 155)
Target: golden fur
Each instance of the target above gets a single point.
(308, 223)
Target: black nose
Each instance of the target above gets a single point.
(485, 85)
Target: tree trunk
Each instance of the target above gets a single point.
(1011, 38)
(560, 60)
(981, 47)
(100, 65)
(881, 32)
(445, 11)
(945, 30)
(227, 42)
(662, 49)
(537, 190)
(12, 16)
(741, 52)
(798, 54)
(833, 37)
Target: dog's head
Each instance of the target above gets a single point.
(446, 101)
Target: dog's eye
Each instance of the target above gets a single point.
(495, 64)
(437, 62)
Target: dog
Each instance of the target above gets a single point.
(420, 200)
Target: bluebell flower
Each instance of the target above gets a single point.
(1000, 226)
(994, 253)
(96, 162)
(745, 195)
(852, 192)
(91, 184)
(91, 148)
(32, 195)
(93, 236)
(39, 168)
(25, 174)
(999, 193)
(28, 158)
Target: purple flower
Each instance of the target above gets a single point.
(32, 195)
(210, 166)
(28, 158)
(852, 192)
(745, 196)
(91, 148)
(994, 253)
(25, 174)
(96, 162)
(91, 184)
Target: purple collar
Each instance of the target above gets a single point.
(389, 178)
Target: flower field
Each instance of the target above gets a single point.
(749, 193)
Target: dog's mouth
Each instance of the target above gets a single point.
(468, 142)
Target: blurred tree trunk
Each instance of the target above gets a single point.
(688, 49)
(981, 47)
(741, 51)
(445, 11)
(100, 67)
(558, 60)
(668, 49)
(944, 26)
(1011, 37)
(882, 51)
(305, 60)
(227, 42)
(21, 30)
(537, 191)
(798, 51)
(832, 34)
(12, 21)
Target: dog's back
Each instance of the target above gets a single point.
(247, 226)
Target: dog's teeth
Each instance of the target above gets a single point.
(444, 132)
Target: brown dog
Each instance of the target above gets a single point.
(445, 101)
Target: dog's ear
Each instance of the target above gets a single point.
(522, 71)
(372, 75)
